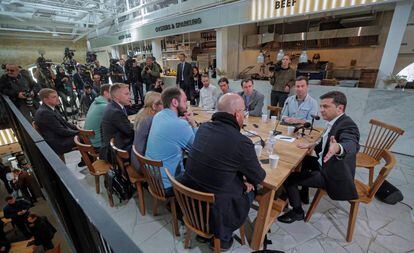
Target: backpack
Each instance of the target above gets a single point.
(119, 184)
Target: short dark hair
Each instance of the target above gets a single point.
(104, 87)
(245, 81)
(169, 94)
(338, 97)
(205, 75)
(302, 78)
(223, 79)
(8, 198)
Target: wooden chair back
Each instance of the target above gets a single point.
(390, 162)
(152, 173)
(274, 110)
(381, 137)
(85, 135)
(121, 155)
(195, 205)
(87, 152)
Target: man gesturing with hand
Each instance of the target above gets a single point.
(333, 167)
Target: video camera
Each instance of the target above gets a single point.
(69, 63)
(112, 65)
(69, 53)
(29, 97)
(90, 57)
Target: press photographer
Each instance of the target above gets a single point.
(68, 62)
(21, 89)
(44, 74)
(81, 79)
(150, 73)
(282, 80)
(117, 69)
(64, 87)
(102, 71)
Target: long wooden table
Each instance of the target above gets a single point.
(290, 158)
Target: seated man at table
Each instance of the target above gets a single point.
(95, 113)
(253, 100)
(224, 87)
(223, 161)
(208, 94)
(171, 133)
(115, 123)
(334, 167)
(300, 107)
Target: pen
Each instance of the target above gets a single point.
(285, 138)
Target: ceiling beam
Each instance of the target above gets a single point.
(35, 31)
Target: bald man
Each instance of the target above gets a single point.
(21, 89)
(223, 161)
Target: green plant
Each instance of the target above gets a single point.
(390, 79)
(220, 72)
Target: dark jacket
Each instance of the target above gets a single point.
(218, 160)
(115, 124)
(42, 231)
(56, 131)
(13, 86)
(150, 78)
(10, 211)
(338, 172)
(81, 80)
(188, 74)
(256, 103)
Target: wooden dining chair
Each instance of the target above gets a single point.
(136, 178)
(366, 193)
(85, 135)
(96, 167)
(274, 110)
(153, 176)
(196, 207)
(381, 137)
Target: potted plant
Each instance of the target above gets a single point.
(391, 81)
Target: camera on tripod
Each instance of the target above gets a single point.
(68, 62)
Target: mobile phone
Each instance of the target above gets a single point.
(255, 125)
(265, 161)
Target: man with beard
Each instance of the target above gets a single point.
(172, 131)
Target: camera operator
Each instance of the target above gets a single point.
(81, 79)
(150, 73)
(44, 73)
(118, 72)
(102, 71)
(282, 80)
(136, 82)
(21, 89)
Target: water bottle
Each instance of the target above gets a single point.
(270, 143)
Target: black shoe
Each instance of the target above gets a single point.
(81, 164)
(291, 216)
(224, 246)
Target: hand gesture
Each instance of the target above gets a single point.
(249, 187)
(333, 149)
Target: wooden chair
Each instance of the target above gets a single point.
(62, 156)
(381, 137)
(274, 111)
(85, 135)
(196, 207)
(96, 167)
(152, 172)
(122, 158)
(365, 193)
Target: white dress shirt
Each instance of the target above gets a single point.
(208, 97)
(325, 138)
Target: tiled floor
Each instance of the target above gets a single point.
(379, 228)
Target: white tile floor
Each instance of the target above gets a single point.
(379, 228)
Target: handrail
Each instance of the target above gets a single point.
(86, 224)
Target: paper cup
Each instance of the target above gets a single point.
(273, 118)
(258, 149)
(264, 118)
(290, 130)
(273, 161)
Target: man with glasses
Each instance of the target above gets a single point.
(21, 89)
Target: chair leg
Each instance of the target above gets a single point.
(174, 216)
(352, 219)
(371, 176)
(97, 186)
(187, 238)
(109, 192)
(141, 201)
(217, 245)
(319, 194)
(154, 206)
(242, 235)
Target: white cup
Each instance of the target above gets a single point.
(273, 161)
(290, 130)
(258, 148)
(264, 118)
(273, 118)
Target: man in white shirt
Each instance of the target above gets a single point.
(208, 94)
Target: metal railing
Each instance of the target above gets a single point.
(87, 227)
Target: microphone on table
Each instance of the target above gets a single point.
(303, 126)
(314, 117)
(262, 142)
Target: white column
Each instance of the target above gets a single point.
(156, 51)
(395, 35)
(221, 48)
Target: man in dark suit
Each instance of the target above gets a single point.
(223, 161)
(333, 168)
(184, 76)
(253, 100)
(56, 131)
(115, 123)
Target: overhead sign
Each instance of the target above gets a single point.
(284, 4)
(194, 21)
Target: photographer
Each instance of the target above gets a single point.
(136, 82)
(118, 72)
(150, 73)
(159, 85)
(81, 79)
(21, 89)
(44, 74)
(102, 71)
(282, 80)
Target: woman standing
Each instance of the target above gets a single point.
(283, 80)
(196, 86)
(143, 122)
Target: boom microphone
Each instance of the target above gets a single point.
(315, 117)
(262, 142)
(303, 126)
